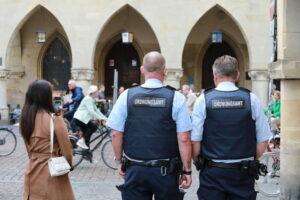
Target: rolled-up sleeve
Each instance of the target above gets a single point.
(198, 118)
(263, 131)
(180, 113)
(118, 114)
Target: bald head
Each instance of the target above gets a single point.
(154, 62)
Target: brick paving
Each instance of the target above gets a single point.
(89, 181)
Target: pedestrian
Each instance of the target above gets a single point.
(35, 130)
(151, 126)
(73, 104)
(230, 131)
(190, 97)
(275, 110)
(121, 90)
(84, 115)
(101, 99)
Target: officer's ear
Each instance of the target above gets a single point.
(165, 71)
(142, 70)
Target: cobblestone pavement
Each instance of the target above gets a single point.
(89, 181)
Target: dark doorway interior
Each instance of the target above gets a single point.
(213, 52)
(125, 59)
(57, 65)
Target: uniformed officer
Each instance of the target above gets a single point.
(151, 128)
(229, 132)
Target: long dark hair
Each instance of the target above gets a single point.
(38, 97)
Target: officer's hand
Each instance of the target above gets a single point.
(185, 181)
(70, 101)
(121, 173)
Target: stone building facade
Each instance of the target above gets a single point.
(81, 37)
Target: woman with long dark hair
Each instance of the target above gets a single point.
(35, 129)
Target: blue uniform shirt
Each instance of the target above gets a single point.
(263, 131)
(180, 114)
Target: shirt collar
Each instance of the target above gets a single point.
(152, 83)
(226, 86)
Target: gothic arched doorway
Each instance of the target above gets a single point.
(57, 65)
(212, 53)
(125, 59)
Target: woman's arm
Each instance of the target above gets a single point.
(92, 109)
(61, 132)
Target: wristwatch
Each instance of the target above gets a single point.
(117, 161)
(187, 172)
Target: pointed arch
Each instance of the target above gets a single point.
(125, 8)
(125, 18)
(23, 21)
(56, 35)
(198, 42)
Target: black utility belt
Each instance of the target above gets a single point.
(235, 165)
(149, 163)
(171, 165)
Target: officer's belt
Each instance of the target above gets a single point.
(149, 163)
(211, 163)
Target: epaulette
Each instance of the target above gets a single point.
(208, 89)
(170, 87)
(245, 89)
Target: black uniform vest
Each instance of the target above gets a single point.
(150, 132)
(229, 130)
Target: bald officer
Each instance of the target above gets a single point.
(229, 132)
(151, 128)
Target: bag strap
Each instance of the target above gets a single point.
(51, 134)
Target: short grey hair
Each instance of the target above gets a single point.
(154, 62)
(226, 66)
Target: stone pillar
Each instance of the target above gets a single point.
(83, 77)
(290, 140)
(260, 82)
(173, 78)
(4, 73)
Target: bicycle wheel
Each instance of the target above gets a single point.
(268, 185)
(8, 142)
(77, 157)
(107, 155)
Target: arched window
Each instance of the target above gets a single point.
(57, 65)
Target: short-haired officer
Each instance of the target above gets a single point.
(229, 132)
(151, 127)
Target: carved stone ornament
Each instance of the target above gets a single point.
(174, 74)
(83, 74)
(16, 75)
(4, 74)
(259, 75)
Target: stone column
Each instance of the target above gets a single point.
(4, 73)
(83, 77)
(260, 81)
(173, 78)
(290, 140)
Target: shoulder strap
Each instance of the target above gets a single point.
(51, 134)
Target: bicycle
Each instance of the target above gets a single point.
(268, 185)
(8, 141)
(102, 135)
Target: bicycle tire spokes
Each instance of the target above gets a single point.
(8, 142)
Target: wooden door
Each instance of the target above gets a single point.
(125, 59)
(213, 52)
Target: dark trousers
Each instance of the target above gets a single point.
(141, 183)
(69, 116)
(87, 129)
(225, 184)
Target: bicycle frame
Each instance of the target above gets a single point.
(103, 134)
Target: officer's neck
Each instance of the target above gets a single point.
(154, 76)
(217, 82)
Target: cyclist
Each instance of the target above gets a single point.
(73, 104)
(86, 111)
